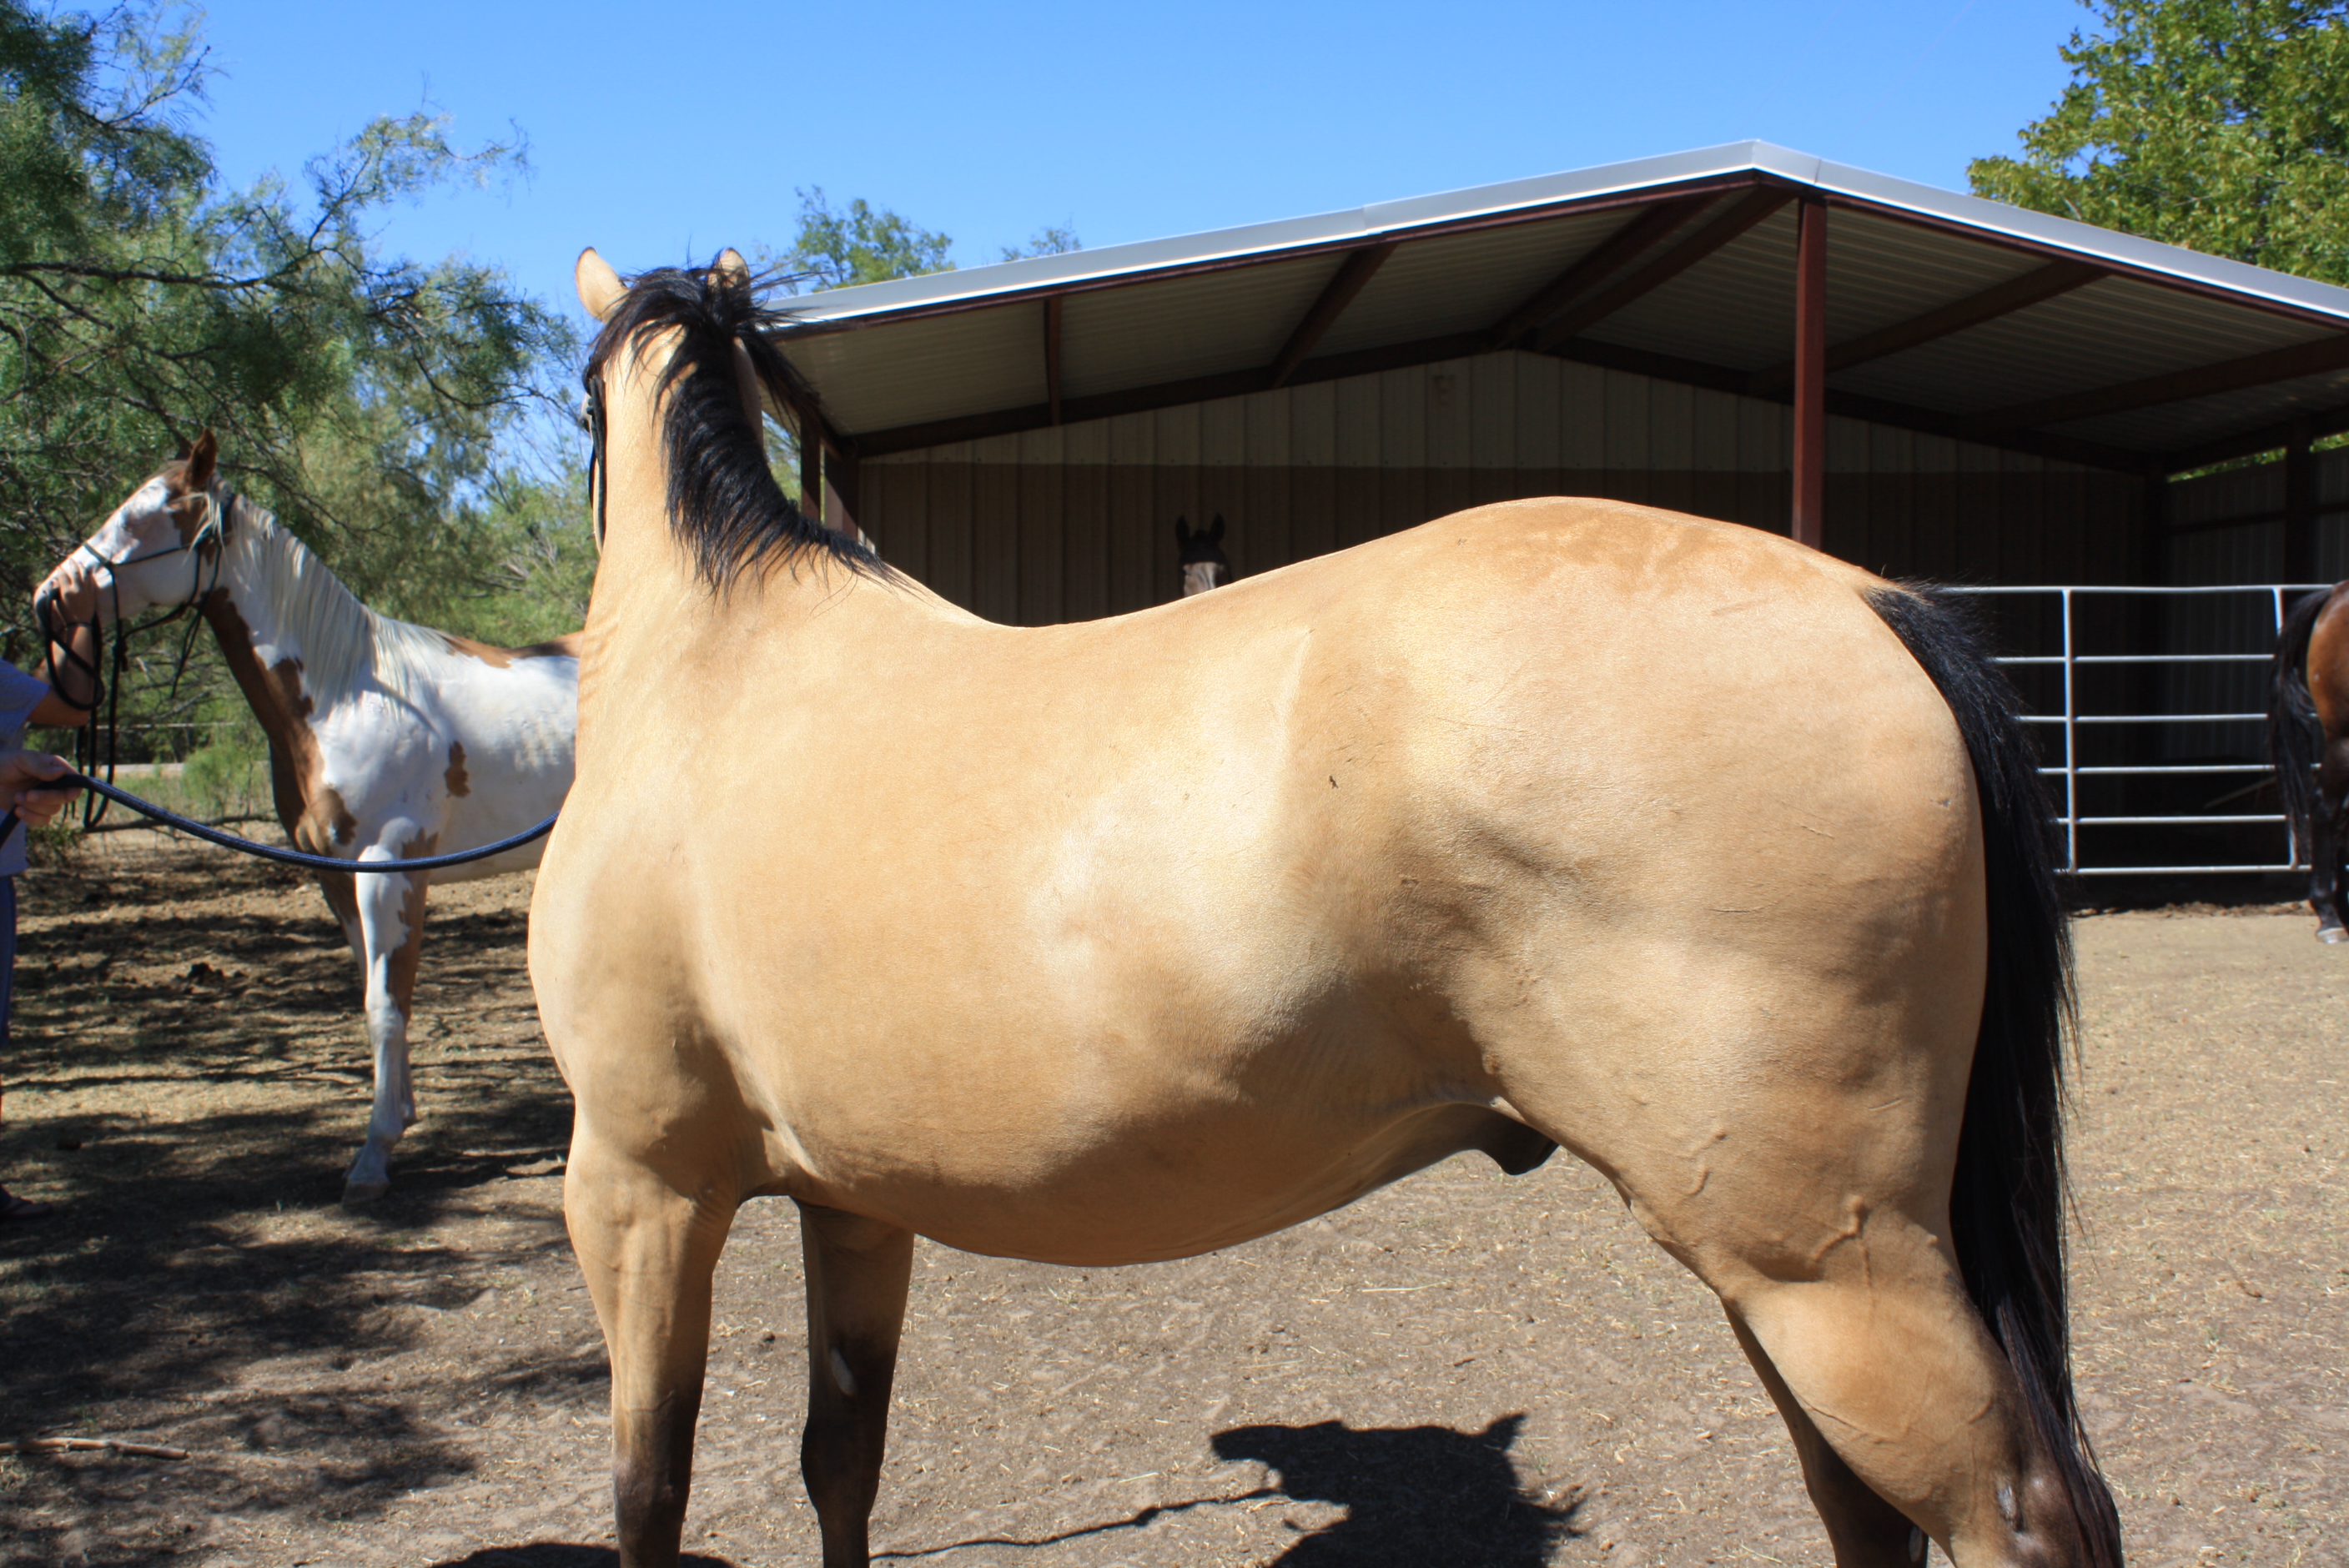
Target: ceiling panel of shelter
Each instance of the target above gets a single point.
(1464, 282)
(2177, 426)
(1883, 273)
(935, 367)
(1152, 333)
(1734, 308)
(2112, 332)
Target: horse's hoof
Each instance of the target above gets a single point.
(2332, 935)
(358, 1193)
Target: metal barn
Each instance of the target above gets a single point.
(1927, 383)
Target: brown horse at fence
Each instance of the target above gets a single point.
(1705, 856)
(2308, 742)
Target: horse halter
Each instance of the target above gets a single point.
(58, 631)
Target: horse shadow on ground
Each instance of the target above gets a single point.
(1412, 1495)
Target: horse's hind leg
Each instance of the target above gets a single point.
(391, 927)
(649, 1253)
(857, 1271)
(2325, 854)
(1903, 1409)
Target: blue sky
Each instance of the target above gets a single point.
(659, 130)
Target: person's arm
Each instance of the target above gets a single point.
(22, 776)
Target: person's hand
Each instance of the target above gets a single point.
(22, 776)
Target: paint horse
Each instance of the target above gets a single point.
(386, 741)
(1135, 938)
(2308, 742)
(1201, 555)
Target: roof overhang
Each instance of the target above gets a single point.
(1946, 313)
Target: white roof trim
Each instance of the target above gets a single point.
(1367, 224)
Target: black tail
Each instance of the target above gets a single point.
(2295, 734)
(2008, 1205)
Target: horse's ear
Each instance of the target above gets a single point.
(1183, 528)
(729, 270)
(600, 288)
(202, 457)
(1215, 530)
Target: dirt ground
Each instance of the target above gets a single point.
(1464, 1368)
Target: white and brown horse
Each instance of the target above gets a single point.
(386, 741)
(1715, 860)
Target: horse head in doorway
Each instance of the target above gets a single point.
(1205, 564)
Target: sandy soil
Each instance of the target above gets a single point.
(1464, 1368)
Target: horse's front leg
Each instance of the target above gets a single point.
(857, 1272)
(648, 1251)
(392, 930)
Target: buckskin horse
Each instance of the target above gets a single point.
(1711, 858)
(2308, 734)
(386, 741)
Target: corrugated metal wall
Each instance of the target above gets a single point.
(1078, 521)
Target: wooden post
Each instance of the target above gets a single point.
(1811, 373)
(2300, 506)
(811, 466)
(842, 505)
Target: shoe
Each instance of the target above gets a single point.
(13, 1208)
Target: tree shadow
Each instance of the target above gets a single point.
(196, 1243)
(561, 1554)
(1412, 1495)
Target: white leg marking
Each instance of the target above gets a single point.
(383, 921)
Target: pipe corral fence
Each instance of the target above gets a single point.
(2157, 760)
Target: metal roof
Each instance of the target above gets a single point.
(1945, 312)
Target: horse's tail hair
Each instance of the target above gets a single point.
(2294, 733)
(2008, 1205)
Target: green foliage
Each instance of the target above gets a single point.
(1052, 241)
(857, 244)
(2222, 125)
(363, 397)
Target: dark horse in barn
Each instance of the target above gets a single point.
(2308, 741)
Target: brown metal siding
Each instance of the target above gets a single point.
(1078, 521)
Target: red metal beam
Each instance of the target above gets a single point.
(1811, 373)
(1457, 345)
(2000, 299)
(811, 439)
(1352, 275)
(2331, 420)
(1052, 354)
(1642, 233)
(2315, 357)
(1729, 226)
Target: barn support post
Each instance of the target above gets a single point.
(810, 465)
(842, 506)
(2300, 505)
(1810, 372)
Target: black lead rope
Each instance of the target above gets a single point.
(213, 835)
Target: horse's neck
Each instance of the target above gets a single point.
(278, 610)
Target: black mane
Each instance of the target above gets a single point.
(724, 506)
